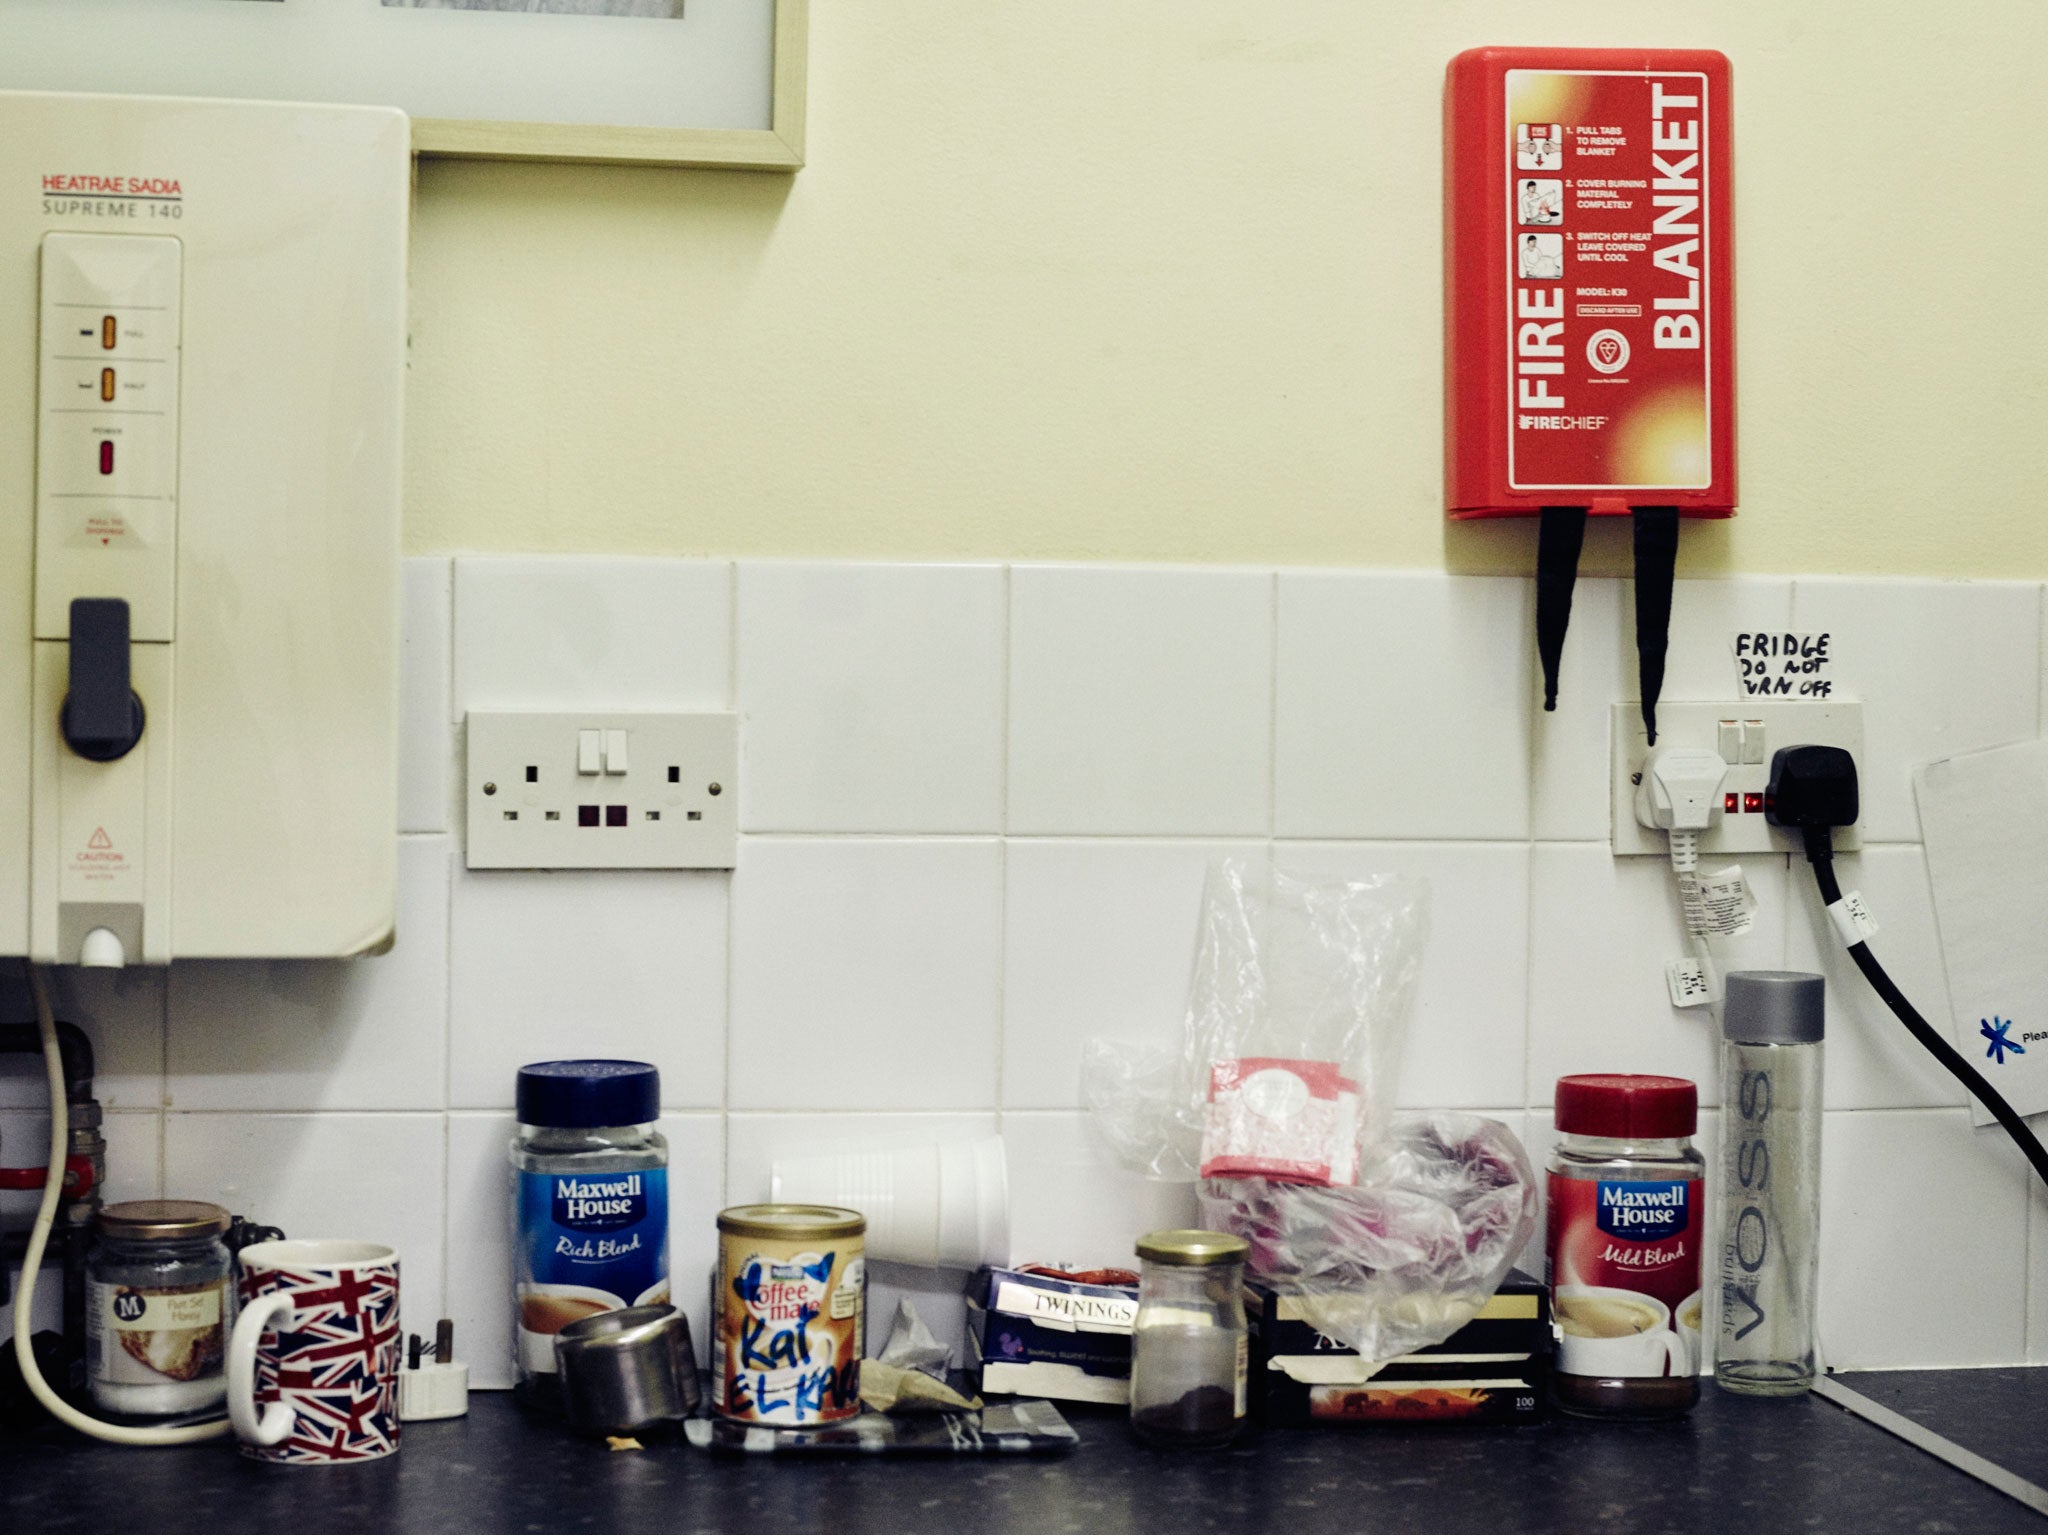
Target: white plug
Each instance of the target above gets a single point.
(1680, 789)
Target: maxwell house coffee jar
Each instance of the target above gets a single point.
(1626, 1212)
(590, 1224)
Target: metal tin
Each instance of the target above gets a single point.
(791, 1317)
(623, 1372)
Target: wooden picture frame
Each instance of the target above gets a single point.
(746, 59)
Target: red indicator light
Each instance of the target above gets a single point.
(615, 815)
(1752, 802)
(586, 815)
(1731, 802)
(106, 456)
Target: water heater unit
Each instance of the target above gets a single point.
(201, 381)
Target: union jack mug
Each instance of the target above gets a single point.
(312, 1366)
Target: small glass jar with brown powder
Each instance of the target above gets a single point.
(1188, 1344)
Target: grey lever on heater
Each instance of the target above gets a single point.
(102, 718)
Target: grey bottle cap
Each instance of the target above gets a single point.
(1773, 1007)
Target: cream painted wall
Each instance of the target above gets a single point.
(1159, 279)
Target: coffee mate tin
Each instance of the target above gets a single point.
(791, 1314)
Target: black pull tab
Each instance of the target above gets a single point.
(1656, 530)
(1560, 534)
(102, 718)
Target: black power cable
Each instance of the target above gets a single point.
(1820, 853)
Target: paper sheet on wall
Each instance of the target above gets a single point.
(1984, 820)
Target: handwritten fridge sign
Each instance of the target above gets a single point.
(1784, 665)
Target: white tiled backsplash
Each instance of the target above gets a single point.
(977, 803)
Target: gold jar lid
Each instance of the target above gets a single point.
(163, 1220)
(1192, 1249)
(793, 1223)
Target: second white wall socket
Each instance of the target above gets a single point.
(1746, 734)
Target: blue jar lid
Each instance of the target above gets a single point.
(581, 1095)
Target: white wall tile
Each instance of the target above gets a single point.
(1570, 791)
(1601, 930)
(1071, 1201)
(426, 742)
(1941, 666)
(120, 1011)
(873, 697)
(1402, 705)
(866, 974)
(1923, 1246)
(134, 1155)
(363, 1177)
(323, 1034)
(1568, 770)
(1467, 1033)
(1099, 942)
(1140, 701)
(1700, 663)
(546, 966)
(756, 1141)
(566, 633)
(1872, 1062)
(480, 1245)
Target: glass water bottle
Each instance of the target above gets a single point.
(1770, 1182)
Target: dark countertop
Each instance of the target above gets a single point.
(1743, 1467)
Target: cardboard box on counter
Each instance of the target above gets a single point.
(1494, 1369)
(1037, 1335)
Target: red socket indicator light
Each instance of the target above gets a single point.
(1731, 802)
(586, 815)
(1753, 803)
(106, 455)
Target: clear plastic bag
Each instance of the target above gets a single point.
(1296, 1014)
(1407, 1257)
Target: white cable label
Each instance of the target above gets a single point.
(1687, 979)
(1853, 921)
(1718, 904)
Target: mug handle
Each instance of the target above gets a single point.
(276, 1423)
(1675, 1353)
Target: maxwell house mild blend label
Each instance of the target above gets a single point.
(1625, 1275)
(1611, 306)
(792, 1309)
(587, 1242)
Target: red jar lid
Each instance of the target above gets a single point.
(1627, 1108)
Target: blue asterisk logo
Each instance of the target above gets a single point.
(2000, 1046)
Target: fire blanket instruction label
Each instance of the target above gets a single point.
(1609, 293)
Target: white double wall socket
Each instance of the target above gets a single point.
(602, 791)
(1746, 734)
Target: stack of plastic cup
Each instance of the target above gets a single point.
(940, 1206)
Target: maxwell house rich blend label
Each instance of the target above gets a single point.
(587, 1242)
(1625, 1274)
(1611, 302)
